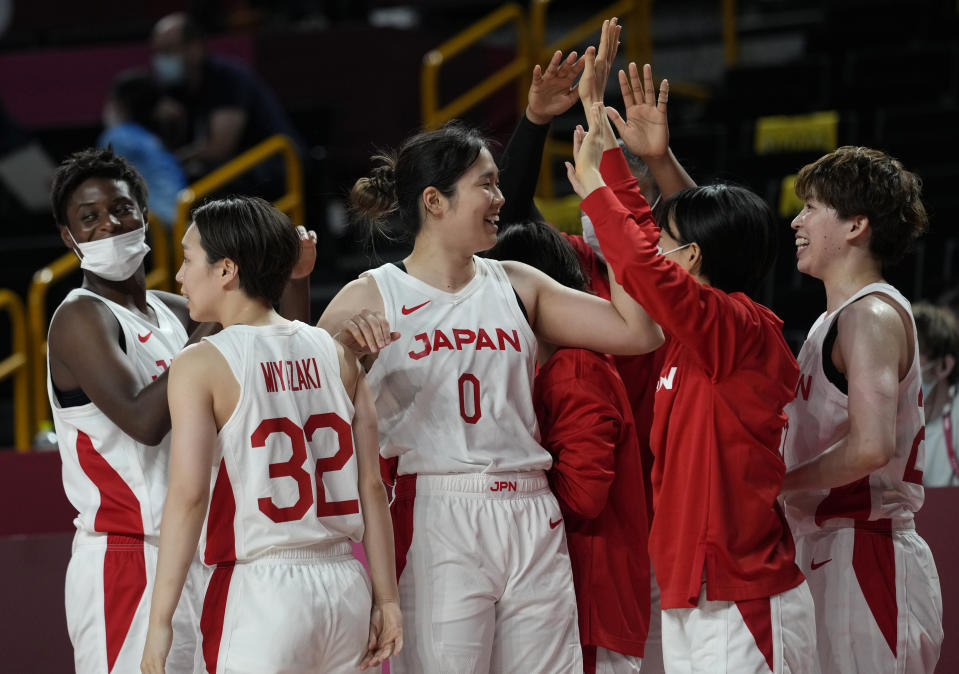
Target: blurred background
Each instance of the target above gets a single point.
(758, 89)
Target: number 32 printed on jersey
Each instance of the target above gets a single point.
(293, 467)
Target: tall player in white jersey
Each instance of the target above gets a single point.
(485, 581)
(110, 344)
(854, 445)
(274, 454)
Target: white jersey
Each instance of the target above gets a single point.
(454, 393)
(819, 417)
(285, 471)
(117, 484)
(939, 470)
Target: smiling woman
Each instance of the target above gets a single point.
(456, 418)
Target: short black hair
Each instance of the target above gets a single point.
(258, 237)
(540, 245)
(137, 91)
(736, 231)
(93, 163)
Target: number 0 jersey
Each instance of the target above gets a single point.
(117, 484)
(284, 469)
(819, 418)
(454, 393)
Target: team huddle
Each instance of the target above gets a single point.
(568, 426)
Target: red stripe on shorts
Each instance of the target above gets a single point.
(758, 618)
(874, 561)
(124, 581)
(214, 609)
(589, 659)
(401, 512)
(119, 510)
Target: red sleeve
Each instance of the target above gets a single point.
(616, 174)
(581, 429)
(706, 320)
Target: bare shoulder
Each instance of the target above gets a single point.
(874, 317)
(82, 319)
(198, 362)
(359, 294)
(872, 336)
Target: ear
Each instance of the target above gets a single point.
(229, 273)
(67, 240)
(945, 368)
(694, 258)
(434, 201)
(858, 227)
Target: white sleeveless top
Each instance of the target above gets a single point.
(284, 470)
(117, 484)
(454, 393)
(819, 417)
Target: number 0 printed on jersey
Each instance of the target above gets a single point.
(469, 390)
(293, 467)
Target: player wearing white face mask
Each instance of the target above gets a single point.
(110, 342)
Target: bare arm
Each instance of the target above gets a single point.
(871, 347)
(191, 458)
(386, 623)
(567, 317)
(355, 318)
(295, 301)
(226, 129)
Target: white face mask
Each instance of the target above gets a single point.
(589, 236)
(169, 68)
(116, 258)
(927, 386)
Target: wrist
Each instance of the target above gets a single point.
(590, 178)
(540, 119)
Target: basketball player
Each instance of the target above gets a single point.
(110, 344)
(272, 409)
(587, 426)
(485, 581)
(733, 598)
(855, 447)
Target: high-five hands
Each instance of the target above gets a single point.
(551, 92)
(588, 149)
(645, 129)
(597, 64)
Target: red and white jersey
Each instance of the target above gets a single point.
(454, 393)
(284, 471)
(117, 484)
(819, 418)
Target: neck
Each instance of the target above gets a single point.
(847, 279)
(130, 293)
(441, 267)
(247, 311)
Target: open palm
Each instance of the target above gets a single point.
(645, 129)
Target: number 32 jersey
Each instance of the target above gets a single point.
(285, 472)
(454, 393)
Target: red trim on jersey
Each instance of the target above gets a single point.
(758, 618)
(850, 500)
(401, 513)
(220, 537)
(589, 660)
(874, 561)
(214, 610)
(119, 510)
(124, 581)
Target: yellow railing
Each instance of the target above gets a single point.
(290, 203)
(17, 366)
(516, 70)
(160, 276)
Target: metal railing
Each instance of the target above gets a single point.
(16, 365)
(290, 203)
(516, 70)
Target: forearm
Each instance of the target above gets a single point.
(843, 463)
(378, 540)
(179, 535)
(649, 336)
(668, 173)
(295, 301)
(520, 163)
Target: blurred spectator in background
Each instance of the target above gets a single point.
(938, 331)
(129, 120)
(213, 108)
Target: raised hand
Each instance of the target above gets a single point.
(551, 92)
(306, 261)
(645, 129)
(588, 148)
(386, 634)
(597, 64)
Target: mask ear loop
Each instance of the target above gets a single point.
(76, 251)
